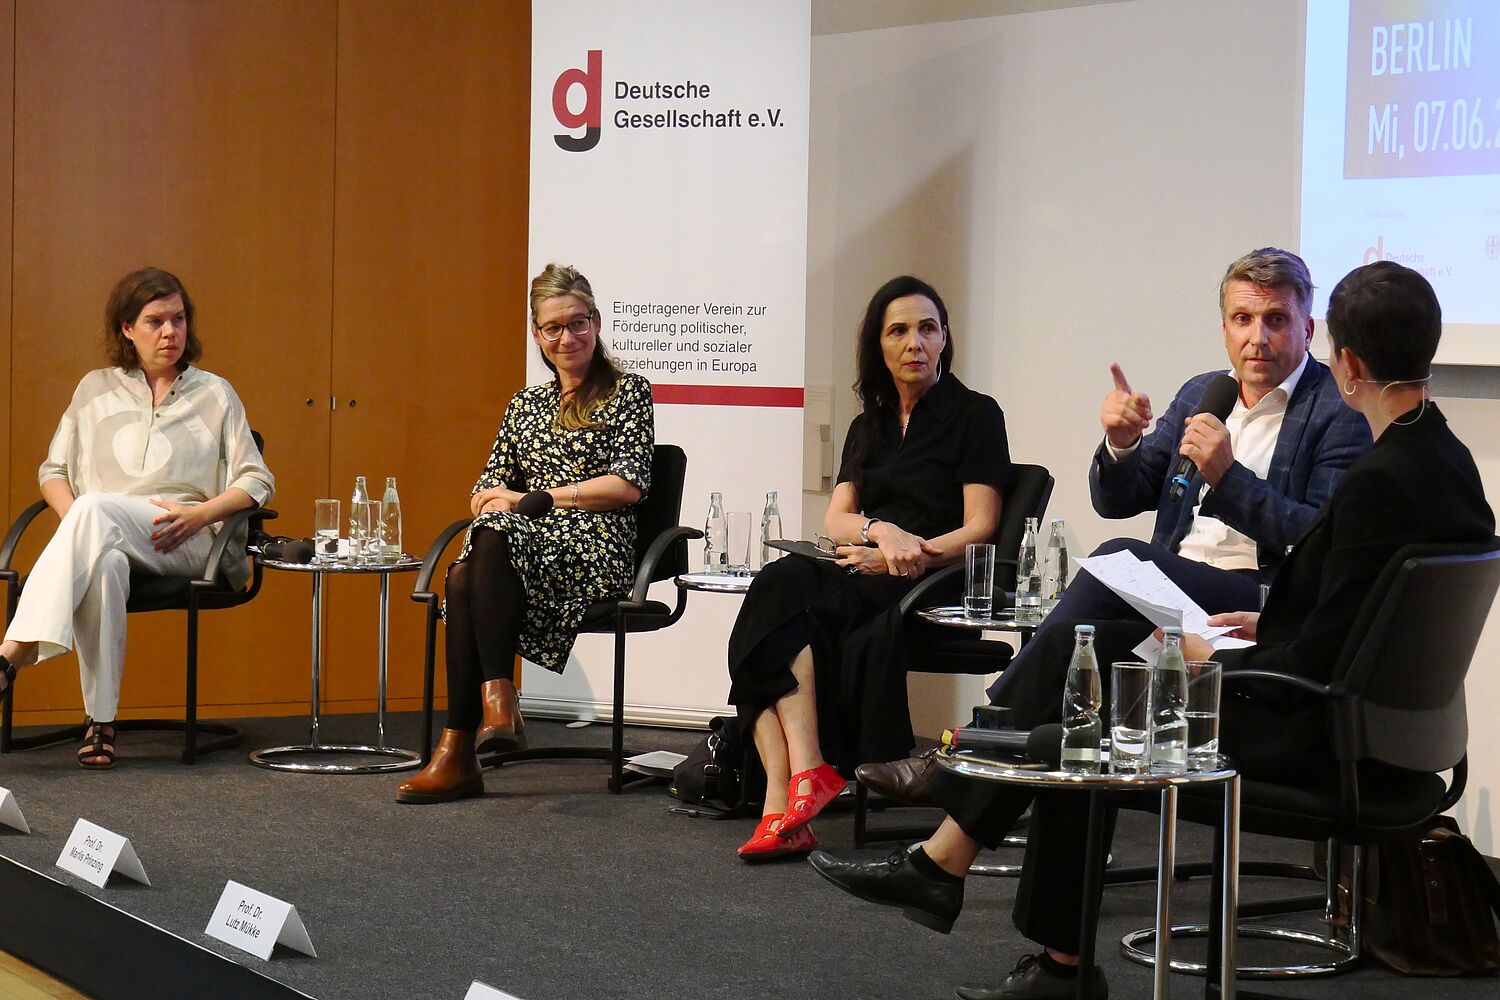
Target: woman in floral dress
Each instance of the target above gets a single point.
(521, 585)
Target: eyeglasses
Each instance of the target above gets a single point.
(577, 326)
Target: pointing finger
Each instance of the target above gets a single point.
(1119, 376)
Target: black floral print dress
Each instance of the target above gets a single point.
(569, 558)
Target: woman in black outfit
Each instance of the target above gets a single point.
(813, 657)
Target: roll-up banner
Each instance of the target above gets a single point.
(669, 143)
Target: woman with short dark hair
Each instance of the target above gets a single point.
(150, 453)
(813, 660)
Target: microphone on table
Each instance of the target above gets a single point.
(1218, 399)
(292, 550)
(534, 504)
(1042, 744)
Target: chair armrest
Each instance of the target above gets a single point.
(1291, 680)
(646, 572)
(925, 592)
(253, 517)
(18, 528)
(421, 590)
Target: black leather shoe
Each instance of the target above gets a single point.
(1030, 980)
(893, 881)
(905, 781)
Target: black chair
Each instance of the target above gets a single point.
(932, 649)
(208, 591)
(1396, 713)
(660, 554)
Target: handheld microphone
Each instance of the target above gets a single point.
(534, 504)
(1042, 745)
(292, 550)
(1218, 399)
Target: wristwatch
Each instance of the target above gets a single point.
(864, 531)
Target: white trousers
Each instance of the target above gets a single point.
(75, 597)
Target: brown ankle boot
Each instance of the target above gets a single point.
(454, 772)
(503, 728)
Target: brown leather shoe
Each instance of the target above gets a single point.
(903, 780)
(503, 728)
(454, 773)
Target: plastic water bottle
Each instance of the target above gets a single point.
(1028, 577)
(390, 523)
(1055, 569)
(358, 544)
(770, 529)
(716, 537)
(1169, 723)
(1081, 700)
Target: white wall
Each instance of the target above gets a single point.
(1074, 182)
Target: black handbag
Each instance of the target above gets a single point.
(718, 775)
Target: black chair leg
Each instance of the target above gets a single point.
(428, 666)
(617, 733)
(190, 741)
(861, 804)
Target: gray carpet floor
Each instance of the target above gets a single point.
(552, 889)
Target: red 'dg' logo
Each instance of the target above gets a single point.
(592, 81)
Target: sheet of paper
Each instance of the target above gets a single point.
(1146, 588)
(655, 762)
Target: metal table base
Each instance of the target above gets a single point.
(396, 758)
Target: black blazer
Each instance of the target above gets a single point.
(1418, 484)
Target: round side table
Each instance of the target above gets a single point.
(1221, 974)
(715, 583)
(395, 758)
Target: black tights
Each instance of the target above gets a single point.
(486, 606)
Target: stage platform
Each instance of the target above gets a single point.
(548, 888)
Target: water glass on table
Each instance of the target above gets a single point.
(979, 581)
(738, 522)
(1204, 678)
(325, 530)
(364, 530)
(1130, 717)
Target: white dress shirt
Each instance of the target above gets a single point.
(1253, 432)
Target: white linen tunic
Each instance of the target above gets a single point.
(117, 452)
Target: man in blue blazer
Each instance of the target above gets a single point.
(1258, 477)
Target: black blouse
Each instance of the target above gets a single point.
(955, 436)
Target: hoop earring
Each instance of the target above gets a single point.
(940, 368)
(1350, 387)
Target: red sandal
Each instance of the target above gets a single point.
(764, 844)
(824, 785)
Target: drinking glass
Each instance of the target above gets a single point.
(1204, 677)
(326, 530)
(1130, 717)
(364, 530)
(739, 542)
(979, 583)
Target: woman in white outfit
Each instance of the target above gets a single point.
(150, 453)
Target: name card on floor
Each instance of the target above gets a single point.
(92, 853)
(254, 922)
(479, 991)
(10, 812)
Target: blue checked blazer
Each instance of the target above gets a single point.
(1320, 438)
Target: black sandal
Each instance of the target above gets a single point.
(98, 745)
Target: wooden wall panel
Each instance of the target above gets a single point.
(429, 280)
(197, 137)
(7, 123)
